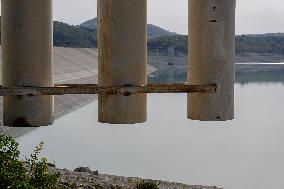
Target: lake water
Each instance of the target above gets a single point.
(246, 153)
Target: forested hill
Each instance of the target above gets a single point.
(91, 24)
(152, 30)
(272, 43)
(85, 36)
(65, 35)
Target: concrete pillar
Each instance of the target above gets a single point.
(122, 42)
(212, 58)
(171, 56)
(27, 60)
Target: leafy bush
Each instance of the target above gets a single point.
(147, 185)
(29, 174)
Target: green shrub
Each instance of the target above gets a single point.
(29, 174)
(147, 185)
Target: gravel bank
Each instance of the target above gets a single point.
(93, 180)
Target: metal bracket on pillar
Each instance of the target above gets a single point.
(127, 91)
(64, 89)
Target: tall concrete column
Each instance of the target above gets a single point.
(171, 56)
(212, 58)
(27, 60)
(122, 42)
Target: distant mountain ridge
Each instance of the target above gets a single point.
(251, 47)
(65, 35)
(249, 43)
(91, 24)
(153, 31)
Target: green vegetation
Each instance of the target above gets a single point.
(179, 42)
(147, 185)
(91, 24)
(152, 30)
(85, 36)
(65, 35)
(29, 174)
(155, 31)
(262, 44)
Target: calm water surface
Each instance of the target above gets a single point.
(246, 153)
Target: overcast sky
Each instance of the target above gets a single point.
(253, 16)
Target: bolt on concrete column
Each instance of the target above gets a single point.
(212, 58)
(122, 42)
(27, 60)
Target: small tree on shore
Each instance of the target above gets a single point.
(18, 174)
(147, 185)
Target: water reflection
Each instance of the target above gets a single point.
(245, 74)
(260, 77)
(245, 153)
(167, 76)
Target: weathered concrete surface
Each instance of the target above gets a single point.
(27, 60)
(76, 66)
(212, 58)
(122, 40)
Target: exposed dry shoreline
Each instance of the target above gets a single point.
(93, 180)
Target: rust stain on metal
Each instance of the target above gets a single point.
(106, 90)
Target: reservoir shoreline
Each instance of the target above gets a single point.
(87, 180)
(92, 179)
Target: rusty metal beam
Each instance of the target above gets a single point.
(62, 89)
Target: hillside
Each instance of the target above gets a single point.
(180, 42)
(249, 48)
(65, 35)
(265, 43)
(153, 31)
(91, 24)
(262, 44)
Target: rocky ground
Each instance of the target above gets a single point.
(84, 178)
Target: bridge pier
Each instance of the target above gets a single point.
(27, 60)
(122, 43)
(212, 58)
(171, 56)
